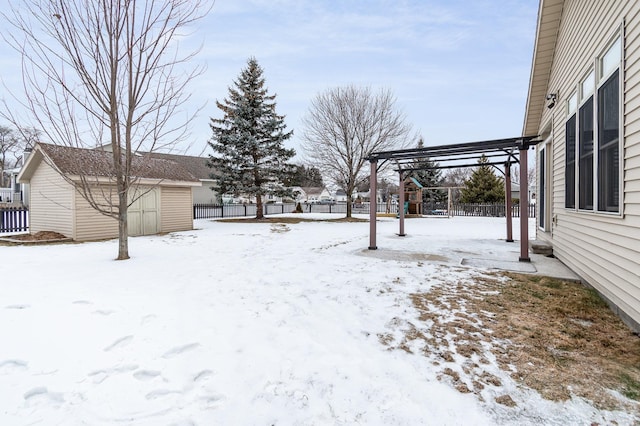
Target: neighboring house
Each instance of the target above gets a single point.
(315, 194)
(515, 191)
(340, 196)
(204, 194)
(584, 103)
(165, 203)
(16, 193)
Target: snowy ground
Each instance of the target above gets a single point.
(243, 324)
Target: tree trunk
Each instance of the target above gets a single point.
(349, 201)
(259, 213)
(123, 229)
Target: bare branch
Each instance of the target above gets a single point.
(344, 125)
(106, 73)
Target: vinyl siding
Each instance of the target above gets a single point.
(603, 249)
(204, 194)
(176, 209)
(89, 223)
(51, 202)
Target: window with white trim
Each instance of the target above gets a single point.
(609, 131)
(592, 137)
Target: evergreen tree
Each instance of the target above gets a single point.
(429, 176)
(483, 186)
(305, 176)
(250, 157)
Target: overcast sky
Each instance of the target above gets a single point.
(459, 68)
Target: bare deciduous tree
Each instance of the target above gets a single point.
(344, 125)
(12, 145)
(8, 143)
(106, 73)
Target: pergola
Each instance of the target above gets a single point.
(499, 152)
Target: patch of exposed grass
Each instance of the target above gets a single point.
(557, 337)
(630, 386)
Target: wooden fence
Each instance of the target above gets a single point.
(212, 211)
(14, 219)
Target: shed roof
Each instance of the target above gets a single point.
(98, 163)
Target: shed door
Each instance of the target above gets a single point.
(143, 214)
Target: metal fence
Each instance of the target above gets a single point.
(213, 211)
(14, 219)
(490, 210)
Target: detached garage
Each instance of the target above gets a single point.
(161, 199)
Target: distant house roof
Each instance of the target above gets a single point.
(98, 163)
(312, 190)
(196, 165)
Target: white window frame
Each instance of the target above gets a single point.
(602, 77)
(599, 75)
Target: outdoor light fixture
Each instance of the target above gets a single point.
(551, 100)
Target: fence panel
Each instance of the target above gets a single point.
(489, 210)
(14, 219)
(213, 211)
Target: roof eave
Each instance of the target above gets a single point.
(549, 16)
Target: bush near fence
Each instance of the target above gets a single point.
(214, 211)
(14, 219)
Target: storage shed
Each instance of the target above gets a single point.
(162, 195)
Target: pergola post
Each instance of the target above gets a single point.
(401, 204)
(508, 202)
(524, 210)
(373, 204)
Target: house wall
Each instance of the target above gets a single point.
(603, 249)
(51, 203)
(89, 223)
(176, 206)
(204, 194)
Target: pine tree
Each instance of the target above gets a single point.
(305, 176)
(483, 186)
(429, 176)
(250, 157)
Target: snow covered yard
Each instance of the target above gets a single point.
(246, 323)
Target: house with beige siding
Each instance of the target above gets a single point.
(584, 103)
(161, 200)
(197, 166)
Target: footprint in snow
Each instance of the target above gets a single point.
(160, 393)
(179, 350)
(99, 376)
(81, 302)
(146, 375)
(41, 393)
(103, 312)
(18, 306)
(147, 318)
(12, 365)
(123, 341)
(203, 375)
(212, 401)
